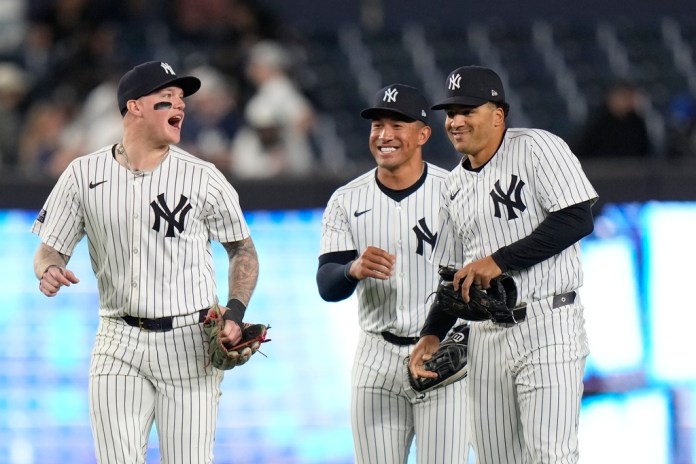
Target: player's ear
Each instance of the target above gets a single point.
(133, 106)
(499, 116)
(424, 134)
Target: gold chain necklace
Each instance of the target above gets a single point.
(121, 150)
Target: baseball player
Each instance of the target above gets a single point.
(518, 203)
(149, 211)
(377, 234)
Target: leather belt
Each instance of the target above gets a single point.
(159, 324)
(516, 315)
(563, 299)
(401, 341)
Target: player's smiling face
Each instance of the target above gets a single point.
(165, 111)
(394, 142)
(475, 131)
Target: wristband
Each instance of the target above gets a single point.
(346, 273)
(235, 312)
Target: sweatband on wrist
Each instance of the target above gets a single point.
(235, 312)
(346, 273)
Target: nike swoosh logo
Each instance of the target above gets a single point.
(455, 194)
(92, 184)
(360, 213)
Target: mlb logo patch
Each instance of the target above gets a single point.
(42, 216)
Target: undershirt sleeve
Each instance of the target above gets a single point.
(557, 232)
(437, 323)
(333, 280)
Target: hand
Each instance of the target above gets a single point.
(231, 333)
(54, 278)
(478, 273)
(422, 352)
(373, 262)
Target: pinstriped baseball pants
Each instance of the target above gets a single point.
(385, 413)
(140, 377)
(525, 386)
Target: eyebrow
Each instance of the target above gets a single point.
(172, 89)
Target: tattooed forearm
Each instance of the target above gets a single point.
(46, 256)
(244, 269)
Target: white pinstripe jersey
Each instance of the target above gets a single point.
(359, 215)
(533, 174)
(148, 233)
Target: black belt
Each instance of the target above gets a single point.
(520, 313)
(401, 341)
(159, 324)
(563, 299)
(513, 317)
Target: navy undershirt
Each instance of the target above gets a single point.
(557, 232)
(333, 280)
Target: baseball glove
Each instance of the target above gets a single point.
(496, 303)
(449, 362)
(225, 356)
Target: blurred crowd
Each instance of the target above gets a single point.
(617, 126)
(60, 61)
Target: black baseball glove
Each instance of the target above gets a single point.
(449, 362)
(496, 303)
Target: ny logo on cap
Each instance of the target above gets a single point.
(168, 69)
(454, 82)
(390, 95)
(494, 93)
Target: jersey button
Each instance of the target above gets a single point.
(135, 250)
(135, 284)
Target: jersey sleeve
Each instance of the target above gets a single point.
(225, 219)
(60, 223)
(562, 181)
(336, 233)
(448, 250)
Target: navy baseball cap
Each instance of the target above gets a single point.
(149, 77)
(473, 86)
(401, 99)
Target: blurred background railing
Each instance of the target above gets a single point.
(619, 85)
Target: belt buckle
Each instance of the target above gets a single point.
(512, 316)
(522, 310)
(141, 326)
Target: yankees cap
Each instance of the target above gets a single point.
(401, 99)
(149, 77)
(473, 86)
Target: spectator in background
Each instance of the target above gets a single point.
(276, 139)
(40, 137)
(70, 49)
(212, 118)
(681, 127)
(225, 31)
(617, 128)
(97, 123)
(69, 46)
(13, 90)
